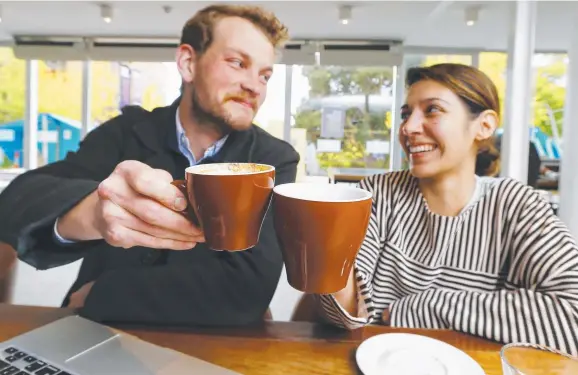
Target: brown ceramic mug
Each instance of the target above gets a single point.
(320, 228)
(228, 201)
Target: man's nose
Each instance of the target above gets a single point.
(252, 84)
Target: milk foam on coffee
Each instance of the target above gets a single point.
(222, 169)
(322, 193)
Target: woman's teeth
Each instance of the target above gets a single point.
(421, 148)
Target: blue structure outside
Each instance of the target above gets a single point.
(58, 134)
(547, 147)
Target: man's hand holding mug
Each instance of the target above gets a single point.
(135, 206)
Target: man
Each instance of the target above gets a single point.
(115, 192)
(534, 161)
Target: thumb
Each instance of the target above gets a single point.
(157, 184)
(180, 201)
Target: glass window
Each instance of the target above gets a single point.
(549, 74)
(59, 109)
(105, 88)
(12, 107)
(117, 84)
(495, 64)
(549, 78)
(549, 93)
(342, 116)
(271, 115)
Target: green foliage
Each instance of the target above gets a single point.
(550, 93)
(333, 80)
(360, 124)
(352, 156)
(7, 163)
(549, 90)
(12, 87)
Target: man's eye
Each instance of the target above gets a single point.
(236, 62)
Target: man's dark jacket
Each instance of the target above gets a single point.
(143, 285)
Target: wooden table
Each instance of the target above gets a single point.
(267, 349)
(547, 184)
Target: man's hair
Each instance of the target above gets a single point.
(198, 31)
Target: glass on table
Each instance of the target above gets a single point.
(529, 359)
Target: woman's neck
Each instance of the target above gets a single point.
(448, 195)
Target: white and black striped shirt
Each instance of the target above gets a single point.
(505, 268)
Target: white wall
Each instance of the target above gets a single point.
(42, 288)
(284, 300)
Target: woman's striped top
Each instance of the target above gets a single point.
(505, 268)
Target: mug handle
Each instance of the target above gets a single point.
(189, 212)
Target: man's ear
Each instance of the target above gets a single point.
(186, 58)
(487, 124)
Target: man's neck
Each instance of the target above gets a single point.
(448, 195)
(200, 136)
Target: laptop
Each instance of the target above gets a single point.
(77, 346)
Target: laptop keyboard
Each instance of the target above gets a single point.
(18, 362)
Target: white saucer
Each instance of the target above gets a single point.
(408, 354)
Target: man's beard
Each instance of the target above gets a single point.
(209, 117)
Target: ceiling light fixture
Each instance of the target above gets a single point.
(471, 14)
(106, 13)
(0, 12)
(345, 14)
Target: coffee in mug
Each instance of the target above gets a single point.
(228, 201)
(320, 228)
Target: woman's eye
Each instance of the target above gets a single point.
(404, 116)
(432, 109)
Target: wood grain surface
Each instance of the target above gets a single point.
(265, 349)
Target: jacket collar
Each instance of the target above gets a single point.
(171, 136)
(157, 131)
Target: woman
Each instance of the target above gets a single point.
(448, 249)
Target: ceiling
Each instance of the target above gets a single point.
(430, 24)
